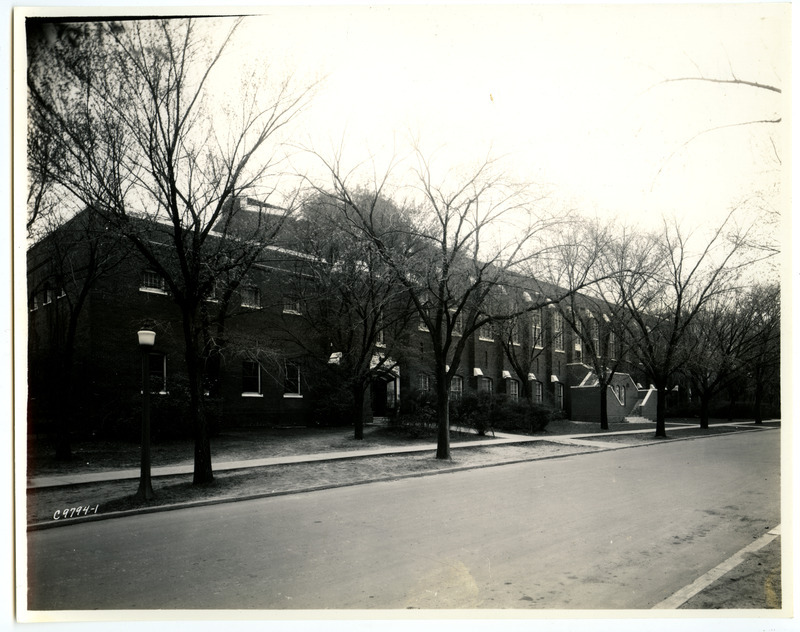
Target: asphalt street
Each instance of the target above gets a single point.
(611, 530)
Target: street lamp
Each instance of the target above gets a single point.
(147, 339)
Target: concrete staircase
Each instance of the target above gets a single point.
(637, 420)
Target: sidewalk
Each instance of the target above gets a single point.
(500, 438)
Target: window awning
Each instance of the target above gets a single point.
(531, 377)
(554, 378)
(506, 375)
(477, 372)
(336, 357)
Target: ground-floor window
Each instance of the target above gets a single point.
(485, 385)
(157, 369)
(456, 387)
(621, 393)
(291, 380)
(559, 396)
(537, 392)
(424, 383)
(251, 378)
(513, 389)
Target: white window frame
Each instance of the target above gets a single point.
(291, 305)
(292, 394)
(537, 341)
(258, 392)
(538, 392)
(456, 387)
(512, 388)
(559, 393)
(612, 344)
(558, 332)
(163, 389)
(424, 383)
(485, 332)
(248, 292)
(149, 284)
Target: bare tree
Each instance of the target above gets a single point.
(129, 107)
(461, 242)
(664, 281)
(64, 267)
(351, 299)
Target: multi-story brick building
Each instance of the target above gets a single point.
(272, 367)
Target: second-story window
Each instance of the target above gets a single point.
(291, 305)
(152, 282)
(536, 329)
(558, 331)
(251, 297)
(485, 332)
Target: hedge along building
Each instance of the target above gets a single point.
(266, 362)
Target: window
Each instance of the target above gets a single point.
(578, 341)
(291, 305)
(596, 337)
(537, 392)
(612, 345)
(513, 389)
(291, 380)
(456, 387)
(536, 329)
(558, 331)
(251, 379)
(380, 337)
(621, 393)
(425, 313)
(458, 324)
(251, 297)
(157, 369)
(424, 383)
(152, 282)
(485, 332)
(485, 385)
(514, 334)
(559, 396)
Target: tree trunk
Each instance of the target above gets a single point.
(661, 406)
(442, 415)
(604, 407)
(203, 473)
(358, 410)
(705, 401)
(757, 403)
(64, 408)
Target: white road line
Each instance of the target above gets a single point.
(701, 583)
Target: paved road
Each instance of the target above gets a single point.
(622, 529)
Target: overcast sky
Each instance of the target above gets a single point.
(571, 96)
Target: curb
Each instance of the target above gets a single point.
(39, 526)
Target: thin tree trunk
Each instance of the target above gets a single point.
(604, 407)
(358, 410)
(661, 406)
(443, 416)
(203, 473)
(705, 400)
(757, 404)
(64, 408)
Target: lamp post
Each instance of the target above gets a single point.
(146, 341)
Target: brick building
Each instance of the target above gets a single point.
(273, 368)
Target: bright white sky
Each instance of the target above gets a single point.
(571, 95)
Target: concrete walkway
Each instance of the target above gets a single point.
(500, 438)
